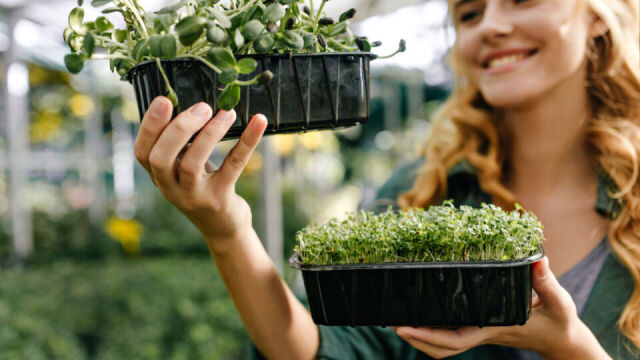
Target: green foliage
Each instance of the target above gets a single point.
(169, 309)
(68, 235)
(192, 28)
(441, 233)
(167, 231)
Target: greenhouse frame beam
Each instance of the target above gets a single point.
(271, 205)
(15, 91)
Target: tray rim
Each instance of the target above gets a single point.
(294, 262)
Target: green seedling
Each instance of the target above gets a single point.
(441, 233)
(211, 31)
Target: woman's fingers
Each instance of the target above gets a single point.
(550, 293)
(153, 123)
(238, 157)
(192, 163)
(456, 340)
(435, 352)
(163, 156)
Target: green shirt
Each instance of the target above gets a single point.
(603, 308)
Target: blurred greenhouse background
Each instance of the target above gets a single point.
(94, 263)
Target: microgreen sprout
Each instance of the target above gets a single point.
(212, 31)
(441, 233)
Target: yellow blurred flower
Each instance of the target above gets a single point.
(255, 164)
(325, 140)
(81, 105)
(37, 75)
(45, 127)
(125, 231)
(284, 144)
(130, 111)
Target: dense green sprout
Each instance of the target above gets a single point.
(441, 233)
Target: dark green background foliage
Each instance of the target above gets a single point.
(79, 297)
(119, 309)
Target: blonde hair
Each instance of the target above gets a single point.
(467, 127)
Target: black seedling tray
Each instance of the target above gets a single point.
(308, 91)
(439, 294)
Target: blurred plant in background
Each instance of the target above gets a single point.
(170, 308)
(57, 109)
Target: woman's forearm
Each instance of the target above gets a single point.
(280, 326)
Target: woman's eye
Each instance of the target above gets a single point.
(469, 15)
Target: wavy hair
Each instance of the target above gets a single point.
(467, 127)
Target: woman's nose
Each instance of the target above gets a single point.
(495, 23)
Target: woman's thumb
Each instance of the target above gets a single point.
(549, 290)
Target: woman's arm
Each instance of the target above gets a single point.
(279, 325)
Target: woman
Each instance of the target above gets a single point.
(546, 113)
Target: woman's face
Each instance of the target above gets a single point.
(516, 51)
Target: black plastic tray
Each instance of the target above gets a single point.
(308, 91)
(439, 294)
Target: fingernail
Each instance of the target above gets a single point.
(228, 115)
(540, 269)
(201, 110)
(158, 107)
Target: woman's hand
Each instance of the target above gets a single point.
(554, 329)
(183, 174)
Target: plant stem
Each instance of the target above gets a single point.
(107, 40)
(134, 10)
(248, 82)
(137, 5)
(204, 61)
(315, 23)
(243, 8)
(388, 56)
(340, 46)
(130, 41)
(318, 14)
(244, 50)
(172, 93)
(110, 57)
(193, 48)
(198, 46)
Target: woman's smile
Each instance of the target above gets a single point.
(516, 52)
(505, 60)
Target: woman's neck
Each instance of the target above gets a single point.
(549, 149)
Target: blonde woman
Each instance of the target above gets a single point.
(546, 112)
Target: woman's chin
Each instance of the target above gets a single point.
(505, 100)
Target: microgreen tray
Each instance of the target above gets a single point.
(439, 294)
(307, 92)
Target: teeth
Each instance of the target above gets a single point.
(505, 60)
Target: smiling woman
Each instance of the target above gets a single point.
(546, 113)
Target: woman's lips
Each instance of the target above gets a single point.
(498, 64)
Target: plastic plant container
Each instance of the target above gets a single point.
(308, 91)
(438, 294)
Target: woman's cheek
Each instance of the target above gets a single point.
(468, 53)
